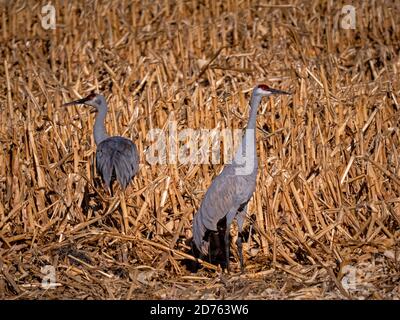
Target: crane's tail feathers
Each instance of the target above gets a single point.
(105, 168)
(123, 170)
(199, 232)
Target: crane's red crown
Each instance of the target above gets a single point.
(91, 96)
(263, 87)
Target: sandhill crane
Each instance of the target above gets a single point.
(229, 193)
(116, 157)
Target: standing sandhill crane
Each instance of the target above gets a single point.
(116, 157)
(229, 193)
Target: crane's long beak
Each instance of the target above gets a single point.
(80, 101)
(276, 91)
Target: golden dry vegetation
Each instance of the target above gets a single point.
(326, 211)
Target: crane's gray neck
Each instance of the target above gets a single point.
(254, 103)
(246, 156)
(99, 128)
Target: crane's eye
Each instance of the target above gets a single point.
(263, 87)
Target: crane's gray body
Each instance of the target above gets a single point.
(116, 157)
(229, 193)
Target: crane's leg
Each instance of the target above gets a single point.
(227, 245)
(195, 265)
(213, 246)
(229, 218)
(239, 246)
(240, 220)
(210, 252)
(220, 243)
(216, 249)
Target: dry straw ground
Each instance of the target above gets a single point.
(327, 207)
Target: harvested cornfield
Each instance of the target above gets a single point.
(324, 220)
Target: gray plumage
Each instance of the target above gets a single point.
(229, 193)
(116, 157)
